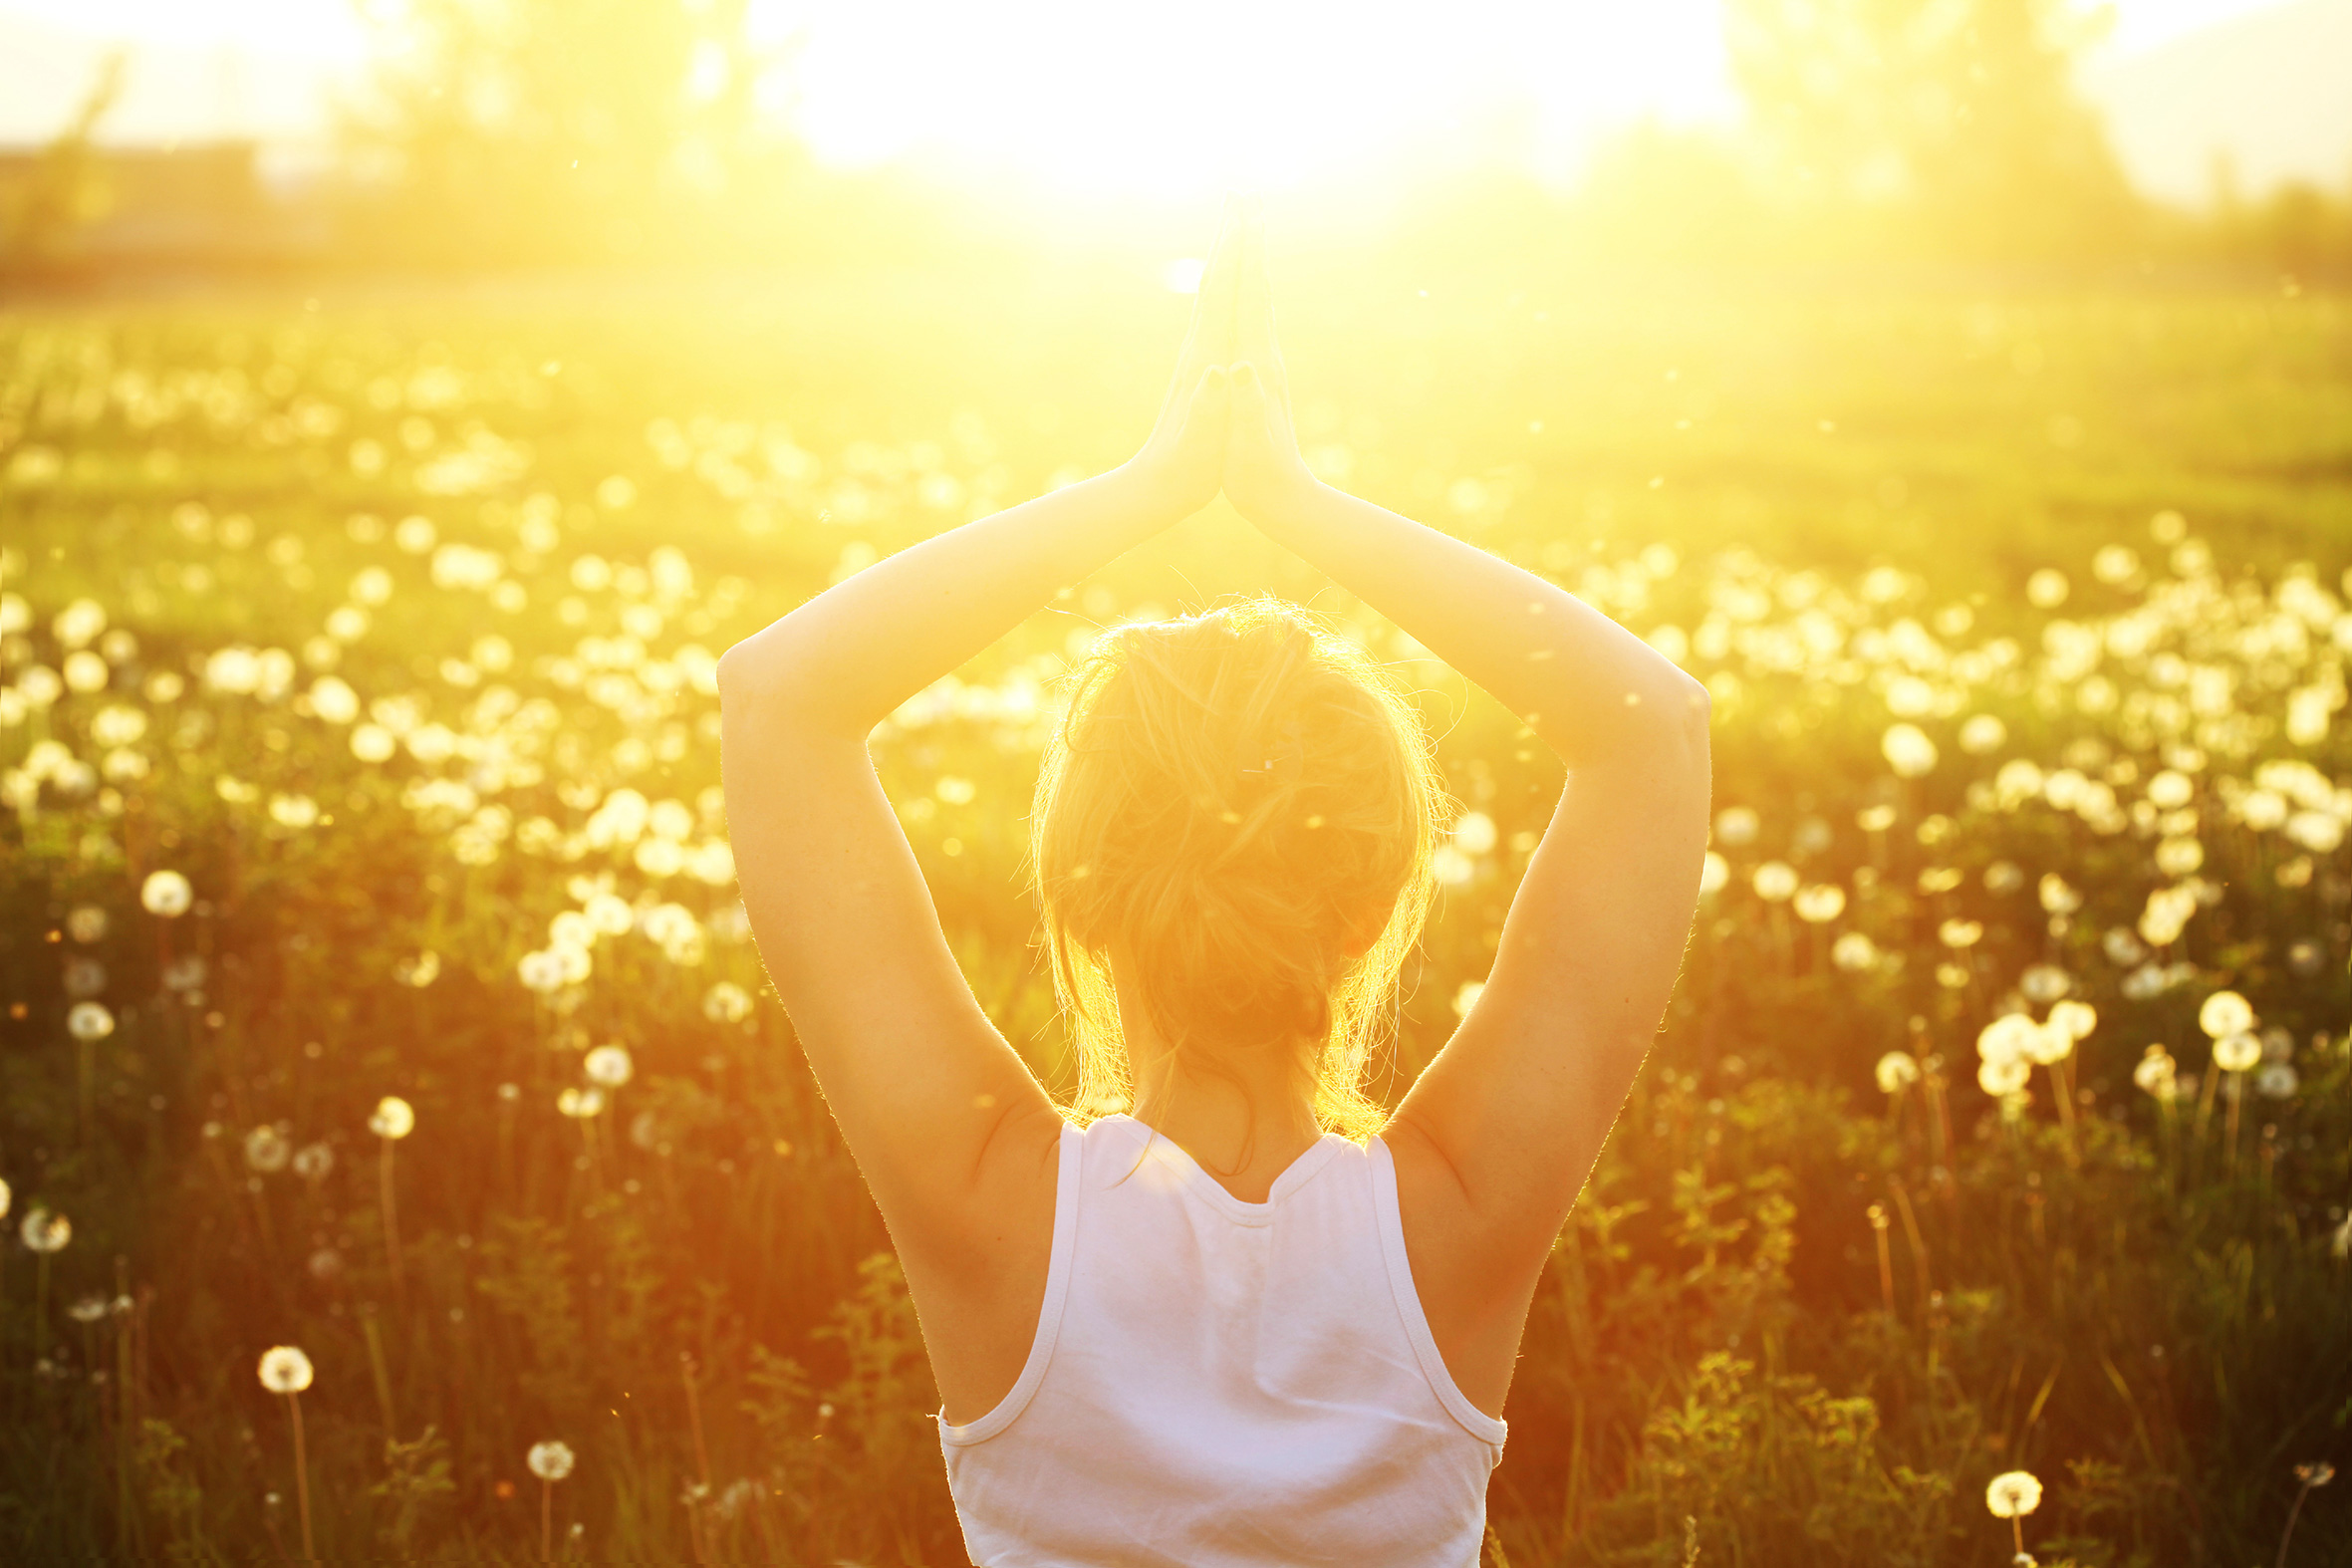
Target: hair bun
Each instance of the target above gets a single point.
(1239, 806)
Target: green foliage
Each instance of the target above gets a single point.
(171, 1493)
(416, 1479)
(2139, 1301)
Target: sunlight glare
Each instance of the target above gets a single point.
(1165, 101)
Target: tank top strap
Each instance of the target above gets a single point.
(1391, 1228)
(1067, 1184)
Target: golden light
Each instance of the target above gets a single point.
(1168, 101)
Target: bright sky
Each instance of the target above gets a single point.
(1099, 97)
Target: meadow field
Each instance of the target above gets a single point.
(372, 979)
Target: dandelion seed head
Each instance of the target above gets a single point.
(1908, 751)
(2075, 1019)
(726, 1002)
(266, 1150)
(580, 1104)
(609, 915)
(1980, 733)
(550, 1461)
(2013, 1495)
(2154, 1073)
(1476, 833)
(2043, 983)
(89, 1022)
(609, 1065)
(2057, 894)
(285, 1370)
(1853, 951)
(167, 893)
(394, 1118)
(44, 1232)
(1896, 1071)
(1736, 826)
(1819, 904)
(541, 971)
(2225, 1013)
(2235, 1053)
(2004, 1077)
(1774, 881)
(2047, 1044)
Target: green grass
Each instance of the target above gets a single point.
(2140, 1304)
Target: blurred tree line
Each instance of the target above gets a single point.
(588, 131)
(504, 132)
(64, 187)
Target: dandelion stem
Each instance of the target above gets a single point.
(391, 1224)
(2062, 1090)
(85, 1068)
(1919, 1245)
(41, 1312)
(2293, 1514)
(685, 1367)
(302, 1479)
(384, 1396)
(2204, 1111)
(1940, 1118)
(2017, 1534)
(2230, 1122)
(546, 1520)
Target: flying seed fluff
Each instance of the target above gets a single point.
(1243, 806)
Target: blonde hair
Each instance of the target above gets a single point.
(1243, 806)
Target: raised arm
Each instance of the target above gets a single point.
(1495, 1138)
(924, 1089)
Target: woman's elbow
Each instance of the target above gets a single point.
(736, 672)
(1682, 711)
(758, 685)
(756, 670)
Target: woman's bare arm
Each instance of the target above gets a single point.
(923, 1085)
(1509, 1117)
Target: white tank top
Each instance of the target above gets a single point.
(1217, 1384)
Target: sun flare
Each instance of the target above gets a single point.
(1167, 101)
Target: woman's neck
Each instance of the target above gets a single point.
(1243, 1121)
(1243, 1133)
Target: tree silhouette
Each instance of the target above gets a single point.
(1959, 114)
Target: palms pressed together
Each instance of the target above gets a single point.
(1225, 421)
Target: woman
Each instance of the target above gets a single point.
(1230, 1327)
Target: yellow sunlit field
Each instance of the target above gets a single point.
(361, 742)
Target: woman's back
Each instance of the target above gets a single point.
(1233, 850)
(1215, 1382)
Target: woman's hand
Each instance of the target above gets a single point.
(1183, 462)
(1265, 477)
